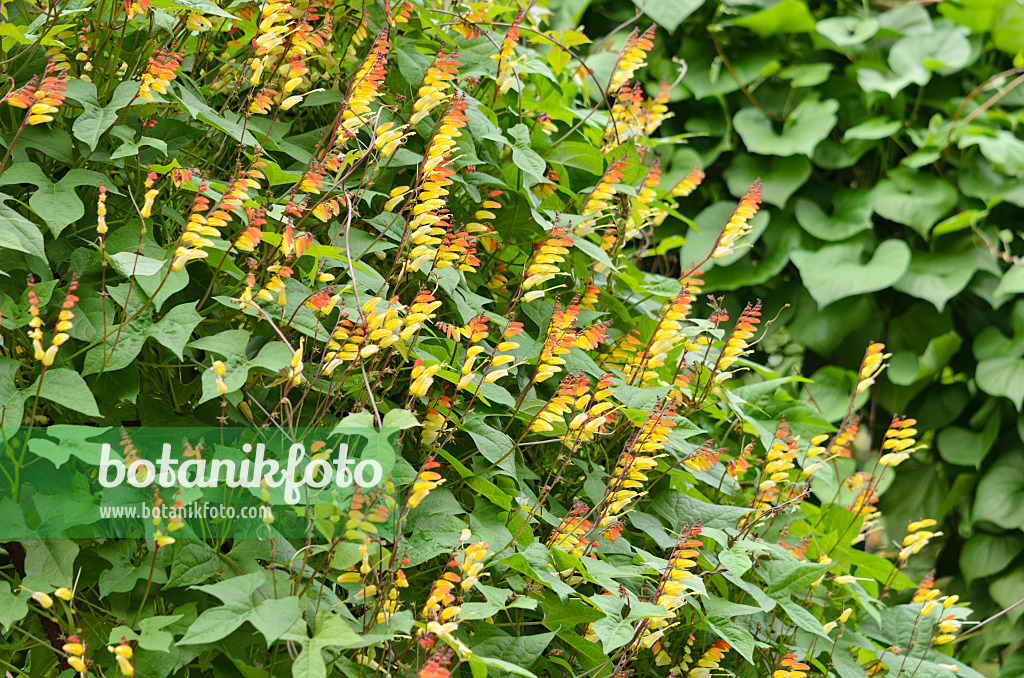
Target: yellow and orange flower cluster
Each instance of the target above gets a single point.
(60, 333)
(436, 86)
(161, 70)
(544, 265)
(632, 58)
(739, 223)
(43, 101)
(899, 442)
(739, 340)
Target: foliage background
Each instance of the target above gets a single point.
(887, 138)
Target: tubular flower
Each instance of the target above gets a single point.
(778, 462)
(161, 70)
(656, 109)
(505, 56)
(738, 224)
(218, 376)
(668, 334)
(703, 458)
(560, 404)
(899, 442)
(475, 330)
(101, 211)
(632, 57)
(684, 187)
(791, 668)
(640, 216)
(544, 265)
(434, 421)
(275, 23)
(689, 183)
(478, 227)
(917, 538)
(377, 330)
(43, 101)
(589, 410)
(588, 302)
(435, 667)
(637, 458)
(367, 83)
(739, 340)
(864, 504)
(624, 120)
(497, 367)
(599, 200)
(673, 585)
(123, 655)
(198, 23)
(60, 331)
(560, 338)
(572, 533)
(200, 227)
(709, 662)
(420, 311)
(76, 651)
(422, 377)
(871, 366)
(44, 599)
(426, 480)
(429, 220)
(436, 86)
(388, 137)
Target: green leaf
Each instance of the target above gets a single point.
(916, 56)
(194, 563)
(329, 630)
(66, 388)
(521, 650)
(50, 562)
(18, 233)
(999, 498)
(875, 128)
(1009, 32)
(13, 606)
(914, 199)
(131, 264)
(95, 120)
(786, 16)
(495, 446)
(679, 510)
(781, 176)
(980, 16)
(939, 276)
(987, 554)
(525, 158)
(579, 155)
(669, 13)
(271, 616)
(847, 31)
(1002, 376)
(835, 272)
(808, 124)
(175, 328)
(613, 632)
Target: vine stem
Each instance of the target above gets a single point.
(149, 582)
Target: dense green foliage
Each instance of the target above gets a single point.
(889, 141)
(319, 214)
